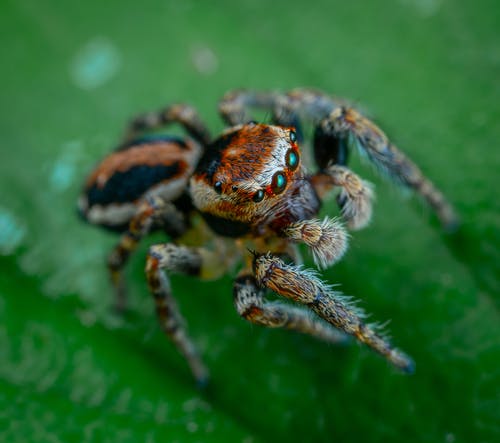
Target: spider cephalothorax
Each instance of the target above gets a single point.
(252, 176)
(246, 196)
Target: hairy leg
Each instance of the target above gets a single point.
(153, 211)
(176, 113)
(340, 125)
(251, 305)
(234, 106)
(179, 259)
(304, 287)
(355, 198)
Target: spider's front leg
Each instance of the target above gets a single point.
(370, 139)
(304, 287)
(338, 127)
(152, 212)
(355, 198)
(251, 305)
(180, 259)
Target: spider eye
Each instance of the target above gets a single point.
(218, 187)
(293, 136)
(292, 159)
(278, 182)
(258, 196)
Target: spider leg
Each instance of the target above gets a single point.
(372, 141)
(181, 259)
(152, 212)
(177, 113)
(339, 126)
(327, 239)
(355, 198)
(233, 107)
(251, 305)
(305, 287)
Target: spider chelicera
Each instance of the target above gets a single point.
(246, 197)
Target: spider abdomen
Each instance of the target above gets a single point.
(146, 167)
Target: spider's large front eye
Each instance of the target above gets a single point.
(218, 187)
(292, 159)
(278, 182)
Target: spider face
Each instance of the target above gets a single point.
(247, 173)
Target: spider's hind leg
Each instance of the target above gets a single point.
(235, 105)
(180, 113)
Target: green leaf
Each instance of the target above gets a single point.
(71, 370)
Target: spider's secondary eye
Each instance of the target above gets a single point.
(292, 159)
(258, 196)
(278, 183)
(293, 136)
(218, 187)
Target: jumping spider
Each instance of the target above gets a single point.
(246, 196)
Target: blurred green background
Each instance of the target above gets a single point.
(70, 371)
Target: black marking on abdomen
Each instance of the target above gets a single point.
(130, 185)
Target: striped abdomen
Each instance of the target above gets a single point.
(149, 166)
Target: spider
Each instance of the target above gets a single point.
(246, 198)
